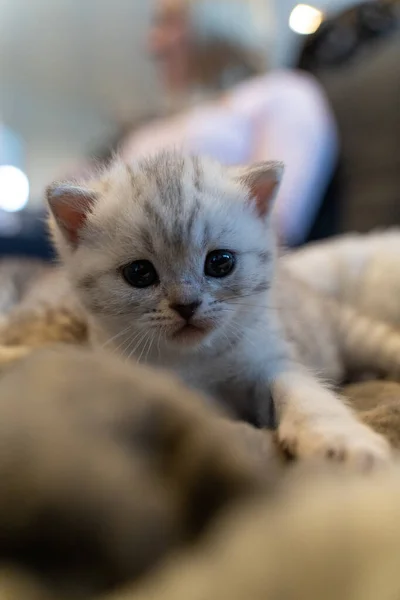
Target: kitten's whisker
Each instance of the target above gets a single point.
(159, 342)
(232, 305)
(118, 335)
(146, 338)
(151, 338)
(126, 344)
(120, 348)
(239, 332)
(226, 336)
(240, 296)
(141, 335)
(147, 346)
(242, 335)
(234, 329)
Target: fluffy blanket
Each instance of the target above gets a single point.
(120, 483)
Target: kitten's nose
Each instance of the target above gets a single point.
(186, 311)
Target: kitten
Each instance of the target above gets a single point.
(174, 261)
(361, 270)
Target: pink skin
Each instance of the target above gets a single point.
(169, 43)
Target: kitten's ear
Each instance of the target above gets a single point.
(70, 205)
(262, 180)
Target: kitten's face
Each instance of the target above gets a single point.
(170, 253)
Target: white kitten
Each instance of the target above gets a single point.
(174, 261)
(360, 270)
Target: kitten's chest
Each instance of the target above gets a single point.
(243, 401)
(206, 375)
(226, 382)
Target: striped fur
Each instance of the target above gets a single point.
(172, 209)
(360, 270)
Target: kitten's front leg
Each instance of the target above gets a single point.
(314, 422)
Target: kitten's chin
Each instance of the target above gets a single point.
(189, 335)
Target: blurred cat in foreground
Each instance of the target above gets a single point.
(118, 482)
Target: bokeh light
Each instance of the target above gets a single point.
(14, 188)
(305, 19)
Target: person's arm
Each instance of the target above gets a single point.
(292, 122)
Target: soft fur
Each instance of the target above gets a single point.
(172, 210)
(324, 538)
(360, 270)
(111, 471)
(106, 467)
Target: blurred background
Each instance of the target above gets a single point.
(317, 85)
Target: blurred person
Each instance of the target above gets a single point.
(220, 101)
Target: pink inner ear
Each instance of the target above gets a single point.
(70, 206)
(263, 191)
(72, 219)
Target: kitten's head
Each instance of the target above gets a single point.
(171, 250)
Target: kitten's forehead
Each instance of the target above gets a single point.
(184, 188)
(177, 180)
(177, 204)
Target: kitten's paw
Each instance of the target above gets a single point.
(342, 441)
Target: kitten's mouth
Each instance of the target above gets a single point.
(190, 333)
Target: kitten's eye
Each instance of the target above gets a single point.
(219, 263)
(140, 274)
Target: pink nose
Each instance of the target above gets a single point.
(186, 311)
